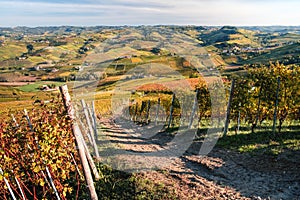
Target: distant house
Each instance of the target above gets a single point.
(36, 68)
(54, 70)
(48, 88)
(45, 87)
(122, 57)
(77, 68)
(23, 57)
(225, 51)
(46, 65)
(236, 49)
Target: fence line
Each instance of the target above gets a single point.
(78, 136)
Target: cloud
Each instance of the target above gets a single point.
(135, 12)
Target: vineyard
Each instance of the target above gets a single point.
(38, 154)
(39, 158)
(265, 94)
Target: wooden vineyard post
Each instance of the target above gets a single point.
(157, 111)
(143, 106)
(91, 118)
(258, 105)
(28, 120)
(276, 104)
(81, 150)
(52, 183)
(239, 119)
(8, 186)
(15, 121)
(94, 120)
(20, 188)
(194, 109)
(136, 112)
(148, 110)
(131, 112)
(171, 111)
(228, 107)
(90, 128)
(90, 160)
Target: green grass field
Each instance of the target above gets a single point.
(263, 140)
(36, 86)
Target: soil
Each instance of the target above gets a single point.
(222, 174)
(15, 83)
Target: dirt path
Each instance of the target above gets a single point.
(222, 174)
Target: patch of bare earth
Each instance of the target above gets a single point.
(15, 83)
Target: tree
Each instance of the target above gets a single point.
(29, 48)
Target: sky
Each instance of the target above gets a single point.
(148, 12)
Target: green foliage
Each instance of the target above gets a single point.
(29, 48)
(121, 185)
(38, 85)
(287, 54)
(255, 94)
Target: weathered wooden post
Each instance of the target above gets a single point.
(276, 105)
(228, 107)
(20, 188)
(239, 119)
(171, 111)
(143, 106)
(258, 106)
(136, 112)
(91, 161)
(77, 133)
(148, 110)
(94, 120)
(8, 186)
(194, 109)
(15, 121)
(90, 128)
(157, 111)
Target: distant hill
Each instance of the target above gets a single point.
(272, 29)
(64, 48)
(49, 30)
(230, 36)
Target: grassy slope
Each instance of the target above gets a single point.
(263, 141)
(231, 36)
(276, 54)
(11, 50)
(287, 37)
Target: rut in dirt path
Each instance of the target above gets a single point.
(218, 171)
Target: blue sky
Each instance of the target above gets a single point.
(148, 12)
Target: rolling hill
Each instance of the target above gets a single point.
(230, 36)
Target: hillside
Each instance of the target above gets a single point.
(288, 54)
(230, 36)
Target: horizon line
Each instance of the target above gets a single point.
(137, 25)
